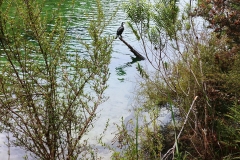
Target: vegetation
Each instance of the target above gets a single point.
(49, 95)
(194, 52)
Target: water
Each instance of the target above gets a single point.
(122, 68)
(121, 83)
(123, 78)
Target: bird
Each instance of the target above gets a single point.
(120, 30)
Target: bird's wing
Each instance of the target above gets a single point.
(120, 30)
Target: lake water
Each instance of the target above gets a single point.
(122, 81)
(122, 68)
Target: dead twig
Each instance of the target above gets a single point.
(132, 49)
(171, 150)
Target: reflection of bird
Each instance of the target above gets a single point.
(120, 31)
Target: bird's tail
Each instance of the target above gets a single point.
(116, 37)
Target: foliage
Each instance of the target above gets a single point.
(49, 96)
(165, 16)
(137, 142)
(223, 17)
(126, 140)
(139, 13)
(191, 60)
